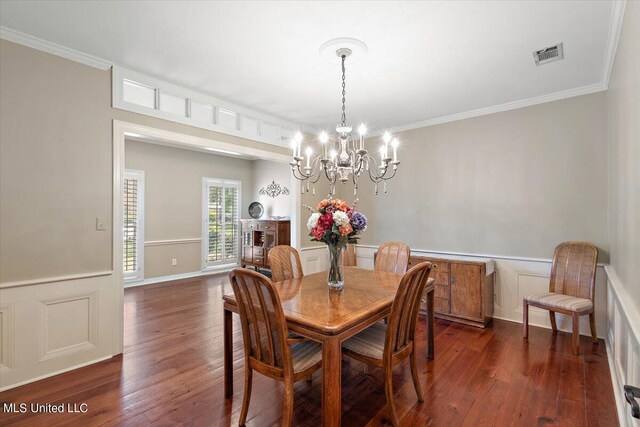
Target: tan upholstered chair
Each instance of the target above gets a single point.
(384, 345)
(267, 348)
(285, 263)
(392, 257)
(571, 289)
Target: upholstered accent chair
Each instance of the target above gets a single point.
(285, 263)
(392, 257)
(571, 289)
(384, 345)
(267, 346)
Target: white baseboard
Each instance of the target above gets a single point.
(180, 276)
(58, 372)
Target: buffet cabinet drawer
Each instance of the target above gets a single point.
(258, 250)
(258, 260)
(267, 226)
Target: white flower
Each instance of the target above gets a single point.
(313, 220)
(340, 218)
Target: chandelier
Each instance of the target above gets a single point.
(343, 156)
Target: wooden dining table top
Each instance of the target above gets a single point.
(309, 302)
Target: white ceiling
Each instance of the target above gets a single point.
(426, 60)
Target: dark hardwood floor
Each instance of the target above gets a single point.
(171, 373)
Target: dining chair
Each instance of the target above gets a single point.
(392, 257)
(267, 348)
(571, 289)
(384, 345)
(349, 255)
(285, 263)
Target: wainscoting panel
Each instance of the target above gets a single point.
(6, 338)
(515, 278)
(49, 328)
(68, 325)
(623, 345)
(314, 259)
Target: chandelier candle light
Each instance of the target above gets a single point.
(343, 155)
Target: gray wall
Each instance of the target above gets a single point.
(264, 172)
(514, 183)
(56, 163)
(623, 100)
(173, 200)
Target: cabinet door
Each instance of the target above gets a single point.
(247, 243)
(269, 243)
(466, 290)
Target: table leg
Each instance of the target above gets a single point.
(430, 325)
(228, 354)
(331, 382)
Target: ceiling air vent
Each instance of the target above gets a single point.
(548, 54)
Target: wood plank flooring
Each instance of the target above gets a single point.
(171, 374)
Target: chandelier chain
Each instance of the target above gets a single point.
(344, 114)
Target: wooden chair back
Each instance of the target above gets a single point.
(285, 263)
(349, 256)
(392, 257)
(264, 328)
(401, 324)
(573, 271)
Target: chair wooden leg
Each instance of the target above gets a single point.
(248, 382)
(592, 324)
(414, 374)
(552, 318)
(388, 391)
(575, 336)
(287, 410)
(525, 319)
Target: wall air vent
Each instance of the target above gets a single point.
(549, 54)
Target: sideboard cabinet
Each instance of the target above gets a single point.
(463, 289)
(260, 236)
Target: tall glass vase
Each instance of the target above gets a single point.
(335, 280)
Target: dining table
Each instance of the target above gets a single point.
(329, 317)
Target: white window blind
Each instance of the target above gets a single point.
(221, 232)
(133, 234)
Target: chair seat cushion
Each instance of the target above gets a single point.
(565, 302)
(305, 354)
(369, 342)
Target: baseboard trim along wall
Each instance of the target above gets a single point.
(623, 344)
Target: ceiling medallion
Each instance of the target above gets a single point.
(343, 155)
(274, 190)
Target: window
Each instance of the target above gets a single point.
(137, 93)
(221, 231)
(133, 228)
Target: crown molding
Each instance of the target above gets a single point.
(53, 48)
(555, 96)
(615, 27)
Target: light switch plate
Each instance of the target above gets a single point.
(100, 226)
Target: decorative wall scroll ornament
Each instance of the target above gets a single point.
(274, 190)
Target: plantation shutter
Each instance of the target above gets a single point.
(132, 237)
(222, 222)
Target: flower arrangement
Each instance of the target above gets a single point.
(335, 223)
